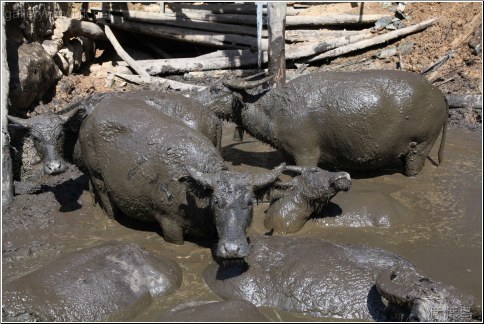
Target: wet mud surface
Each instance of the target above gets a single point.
(433, 220)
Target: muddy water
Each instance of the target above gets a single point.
(433, 220)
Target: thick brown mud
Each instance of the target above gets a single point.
(434, 220)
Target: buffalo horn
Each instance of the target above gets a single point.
(68, 115)
(19, 121)
(204, 179)
(260, 181)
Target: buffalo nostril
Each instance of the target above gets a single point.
(54, 167)
(231, 249)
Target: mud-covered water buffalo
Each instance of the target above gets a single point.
(108, 282)
(152, 167)
(320, 278)
(352, 121)
(295, 201)
(55, 135)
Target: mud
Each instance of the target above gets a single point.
(435, 222)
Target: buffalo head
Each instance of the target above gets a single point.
(422, 299)
(231, 203)
(48, 134)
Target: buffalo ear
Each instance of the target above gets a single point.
(20, 121)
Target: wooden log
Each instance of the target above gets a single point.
(277, 55)
(7, 175)
(75, 27)
(300, 51)
(182, 65)
(374, 41)
(123, 54)
(166, 83)
(217, 74)
(189, 35)
(225, 53)
(465, 101)
(302, 35)
(219, 8)
(250, 20)
(171, 20)
(346, 19)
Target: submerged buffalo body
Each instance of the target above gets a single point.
(55, 135)
(351, 121)
(324, 279)
(152, 167)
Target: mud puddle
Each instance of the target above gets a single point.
(433, 220)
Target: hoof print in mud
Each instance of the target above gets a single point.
(317, 278)
(113, 281)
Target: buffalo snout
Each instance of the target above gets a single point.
(233, 249)
(54, 167)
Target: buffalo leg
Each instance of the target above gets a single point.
(102, 194)
(172, 231)
(415, 158)
(307, 159)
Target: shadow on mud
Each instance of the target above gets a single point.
(236, 156)
(68, 192)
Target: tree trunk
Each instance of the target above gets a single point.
(7, 177)
(277, 27)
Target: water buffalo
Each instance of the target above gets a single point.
(55, 135)
(325, 279)
(152, 167)
(353, 121)
(113, 281)
(295, 201)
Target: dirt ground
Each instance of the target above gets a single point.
(441, 227)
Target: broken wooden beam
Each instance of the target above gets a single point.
(374, 41)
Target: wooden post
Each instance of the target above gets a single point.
(7, 177)
(277, 27)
